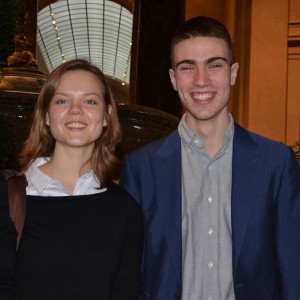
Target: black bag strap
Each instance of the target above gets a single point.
(16, 188)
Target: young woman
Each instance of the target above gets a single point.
(82, 236)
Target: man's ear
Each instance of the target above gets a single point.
(234, 71)
(173, 79)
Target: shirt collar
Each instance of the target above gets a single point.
(37, 178)
(40, 180)
(196, 143)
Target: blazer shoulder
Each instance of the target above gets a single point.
(249, 138)
(252, 145)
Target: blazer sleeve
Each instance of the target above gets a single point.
(8, 237)
(288, 228)
(127, 284)
(128, 179)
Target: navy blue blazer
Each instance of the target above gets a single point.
(265, 216)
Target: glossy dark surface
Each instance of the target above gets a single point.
(140, 125)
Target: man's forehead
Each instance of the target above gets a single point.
(200, 48)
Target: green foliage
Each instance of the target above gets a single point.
(10, 25)
(296, 148)
(6, 139)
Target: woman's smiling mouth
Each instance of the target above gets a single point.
(76, 125)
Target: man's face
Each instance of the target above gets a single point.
(202, 75)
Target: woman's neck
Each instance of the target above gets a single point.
(67, 167)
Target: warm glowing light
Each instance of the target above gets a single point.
(57, 35)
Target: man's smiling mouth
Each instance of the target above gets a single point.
(202, 96)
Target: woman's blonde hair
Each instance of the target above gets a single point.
(40, 142)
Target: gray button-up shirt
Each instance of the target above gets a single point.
(206, 218)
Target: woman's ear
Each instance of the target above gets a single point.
(109, 110)
(47, 119)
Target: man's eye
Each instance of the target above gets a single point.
(215, 66)
(186, 68)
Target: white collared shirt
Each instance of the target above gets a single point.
(39, 184)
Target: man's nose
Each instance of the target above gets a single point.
(201, 77)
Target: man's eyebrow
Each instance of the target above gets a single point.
(212, 59)
(186, 61)
(193, 62)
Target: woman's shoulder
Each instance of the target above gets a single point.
(119, 192)
(114, 187)
(121, 196)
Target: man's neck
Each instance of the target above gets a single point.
(211, 132)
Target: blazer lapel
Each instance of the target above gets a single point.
(167, 166)
(244, 169)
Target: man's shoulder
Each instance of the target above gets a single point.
(244, 134)
(255, 143)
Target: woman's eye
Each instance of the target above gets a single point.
(60, 101)
(90, 101)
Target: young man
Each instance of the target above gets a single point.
(221, 204)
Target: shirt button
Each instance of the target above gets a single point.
(210, 231)
(210, 264)
(210, 199)
(210, 298)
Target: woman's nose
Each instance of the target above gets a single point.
(75, 108)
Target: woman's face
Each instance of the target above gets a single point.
(77, 112)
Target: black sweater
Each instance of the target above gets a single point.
(77, 248)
